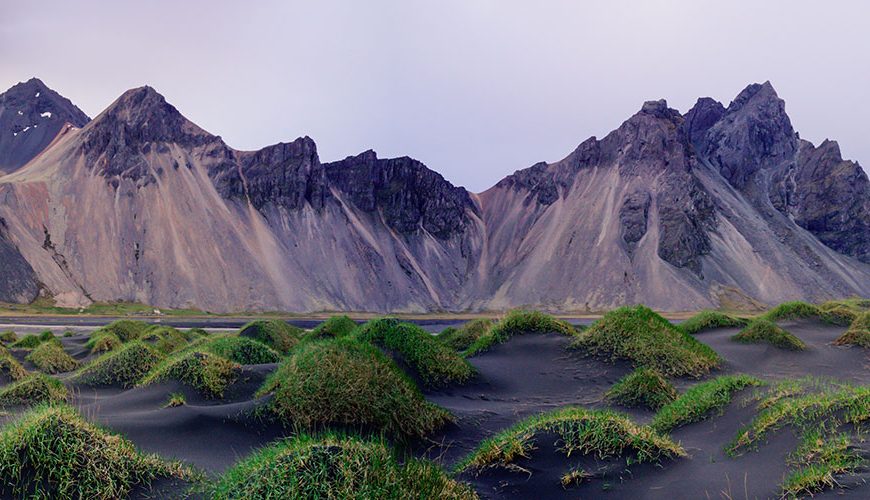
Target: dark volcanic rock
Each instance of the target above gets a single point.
(633, 217)
(828, 196)
(18, 282)
(686, 213)
(537, 180)
(703, 115)
(31, 115)
(407, 193)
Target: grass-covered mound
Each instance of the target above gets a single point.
(516, 323)
(460, 339)
(648, 340)
(123, 367)
(642, 388)
(858, 333)
(792, 310)
(820, 457)
(335, 326)
(126, 329)
(207, 373)
(33, 389)
(762, 331)
(335, 467)
(241, 350)
(277, 334)
(434, 363)
(701, 401)
(602, 433)
(30, 341)
(51, 452)
(10, 368)
(8, 337)
(165, 339)
(103, 341)
(349, 383)
(708, 320)
(51, 358)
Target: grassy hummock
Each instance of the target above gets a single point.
(8, 337)
(10, 367)
(165, 339)
(29, 341)
(767, 332)
(817, 460)
(858, 333)
(32, 389)
(51, 358)
(335, 467)
(792, 310)
(51, 452)
(648, 340)
(349, 383)
(602, 433)
(708, 320)
(123, 367)
(700, 401)
(642, 388)
(516, 323)
(103, 341)
(208, 373)
(434, 363)
(241, 350)
(460, 339)
(277, 334)
(335, 326)
(126, 329)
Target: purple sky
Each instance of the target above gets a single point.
(475, 89)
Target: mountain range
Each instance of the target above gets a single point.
(717, 207)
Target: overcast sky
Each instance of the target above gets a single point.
(474, 88)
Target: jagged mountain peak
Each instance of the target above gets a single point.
(754, 92)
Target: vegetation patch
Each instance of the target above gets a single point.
(350, 384)
(762, 331)
(277, 334)
(27, 342)
(165, 339)
(10, 367)
(642, 388)
(103, 341)
(602, 433)
(701, 401)
(51, 452)
(8, 337)
(176, 399)
(241, 350)
(208, 373)
(709, 320)
(792, 310)
(51, 358)
(335, 467)
(516, 323)
(817, 461)
(648, 340)
(460, 339)
(435, 364)
(123, 367)
(33, 389)
(335, 326)
(858, 333)
(127, 329)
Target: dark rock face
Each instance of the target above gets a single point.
(537, 180)
(18, 282)
(828, 196)
(31, 115)
(686, 214)
(633, 217)
(703, 115)
(404, 191)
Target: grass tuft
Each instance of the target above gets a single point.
(335, 467)
(348, 383)
(51, 358)
(165, 339)
(460, 339)
(648, 340)
(175, 400)
(208, 373)
(518, 322)
(123, 367)
(241, 350)
(8, 337)
(103, 341)
(858, 333)
(708, 320)
(335, 326)
(699, 402)
(10, 367)
(642, 388)
(33, 389)
(126, 329)
(277, 334)
(817, 460)
(792, 310)
(27, 342)
(764, 331)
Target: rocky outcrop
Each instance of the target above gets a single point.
(31, 116)
(633, 217)
(18, 281)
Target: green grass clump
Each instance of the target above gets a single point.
(858, 333)
(434, 363)
(602, 433)
(642, 388)
(460, 339)
(51, 358)
(8, 337)
(127, 329)
(767, 332)
(515, 323)
(708, 320)
(277, 334)
(33, 389)
(241, 350)
(165, 339)
(648, 340)
(175, 400)
(700, 401)
(196, 333)
(10, 367)
(208, 373)
(792, 310)
(123, 367)
(335, 326)
(332, 467)
(27, 342)
(103, 341)
(817, 460)
(349, 383)
(51, 452)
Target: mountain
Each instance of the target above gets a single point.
(720, 206)
(31, 115)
